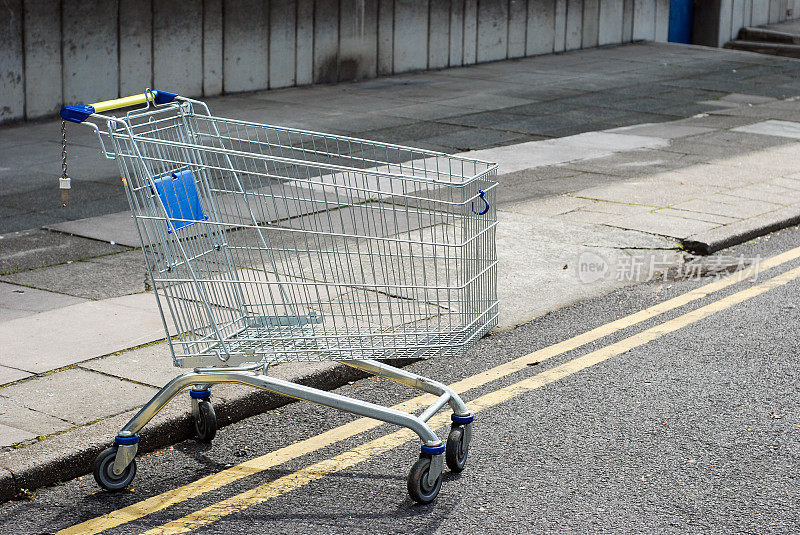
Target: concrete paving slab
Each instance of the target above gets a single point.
(662, 130)
(15, 414)
(548, 207)
(711, 241)
(30, 249)
(762, 192)
(541, 252)
(772, 128)
(732, 207)
(484, 101)
(101, 396)
(101, 278)
(150, 365)
(786, 182)
(740, 98)
(586, 216)
(642, 192)
(19, 301)
(662, 225)
(118, 228)
(710, 218)
(11, 435)
(56, 338)
(636, 163)
(9, 375)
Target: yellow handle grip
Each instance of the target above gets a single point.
(117, 103)
(79, 113)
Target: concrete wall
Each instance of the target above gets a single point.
(718, 21)
(69, 51)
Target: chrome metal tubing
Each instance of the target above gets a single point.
(285, 388)
(433, 409)
(413, 380)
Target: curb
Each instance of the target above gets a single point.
(710, 242)
(71, 454)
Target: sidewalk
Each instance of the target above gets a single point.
(626, 153)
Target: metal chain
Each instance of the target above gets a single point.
(64, 181)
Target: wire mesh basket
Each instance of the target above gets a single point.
(269, 244)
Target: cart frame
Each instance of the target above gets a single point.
(115, 467)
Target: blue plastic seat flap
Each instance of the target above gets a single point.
(178, 193)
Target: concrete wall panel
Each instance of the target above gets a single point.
(135, 46)
(304, 55)
(760, 12)
(358, 40)
(178, 47)
(662, 21)
(737, 17)
(410, 35)
(541, 26)
(775, 10)
(627, 21)
(591, 15)
(644, 20)
(90, 71)
(439, 34)
(282, 25)
(246, 45)
(747, 12)
(212, 47)
(42, 31)
(560, 29)
(326, 41)
(492, 30)
(470, 31)
(574, 28)
(385, 37)
(456, 32)
(517, 28)
(609, 27)
(12, 74)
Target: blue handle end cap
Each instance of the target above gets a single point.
(164, 97)
(77, 113)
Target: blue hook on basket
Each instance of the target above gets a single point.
(482, 196)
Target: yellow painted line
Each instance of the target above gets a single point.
(345, 460)
(327, 438)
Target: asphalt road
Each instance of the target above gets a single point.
(696, 430)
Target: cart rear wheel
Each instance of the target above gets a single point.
(104, 474)
(457, 448)
(418, 487)
(205, 422)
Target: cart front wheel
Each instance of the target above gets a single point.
(205, 422)
(418, 487)
(104, 474)
(457, 448)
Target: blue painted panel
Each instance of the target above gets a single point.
(681, 19)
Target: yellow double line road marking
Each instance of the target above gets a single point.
(385, 443)
(327, 438)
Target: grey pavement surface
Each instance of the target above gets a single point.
(699, 166)
(697, 431)
(452, 110)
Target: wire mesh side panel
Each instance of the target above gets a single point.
(276, 244)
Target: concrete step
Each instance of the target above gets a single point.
(774, 49)
(768, 36)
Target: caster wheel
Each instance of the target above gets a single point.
(104, 475)
(205, 422)
(418, 487)
(457, 448)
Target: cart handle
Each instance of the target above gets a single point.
(80, 112)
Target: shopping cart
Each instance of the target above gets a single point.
(267, 244)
